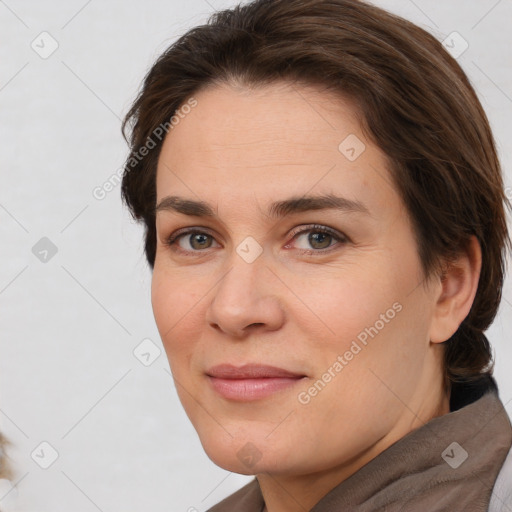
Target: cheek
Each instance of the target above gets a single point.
(175, 308)
(335, 306)
(369, 317)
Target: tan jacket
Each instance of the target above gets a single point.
(449, 464)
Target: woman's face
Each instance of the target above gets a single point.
(332, 293)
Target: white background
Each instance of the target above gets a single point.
(68, 375)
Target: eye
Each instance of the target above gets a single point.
(190, 241)
(319, 238)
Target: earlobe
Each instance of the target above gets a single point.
(459, 283)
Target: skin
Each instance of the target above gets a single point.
(240, 149)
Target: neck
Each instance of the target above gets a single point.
(300, 493)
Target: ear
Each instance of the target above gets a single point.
(459, 284)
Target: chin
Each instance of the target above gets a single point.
(230, 462)
(248, 454)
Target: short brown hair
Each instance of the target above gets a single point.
(416, 104)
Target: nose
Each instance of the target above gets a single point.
(246, 300)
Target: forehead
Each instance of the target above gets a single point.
(249, 120)
(269, 140)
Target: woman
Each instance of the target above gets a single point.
(325, 223)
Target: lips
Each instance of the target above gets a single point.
(251, 381)
(250, 371)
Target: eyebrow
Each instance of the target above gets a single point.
(276, 209)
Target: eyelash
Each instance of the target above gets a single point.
(315, 228)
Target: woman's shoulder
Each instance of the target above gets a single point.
(248, 498)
